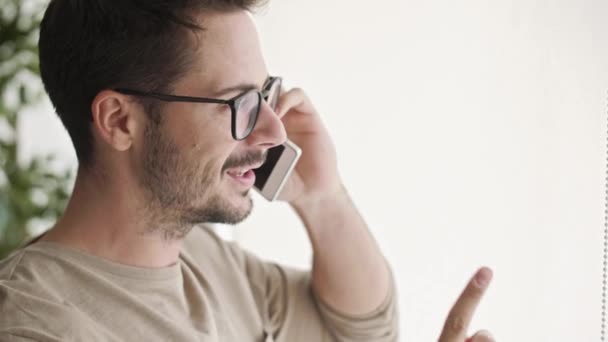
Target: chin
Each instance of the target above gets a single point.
(221, 209)
(235, 209)
(243, 205)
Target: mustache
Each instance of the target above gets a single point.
(245, 160)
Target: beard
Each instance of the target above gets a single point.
(180, 193)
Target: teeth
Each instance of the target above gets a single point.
(239, 173)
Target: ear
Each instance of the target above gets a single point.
(115, 119)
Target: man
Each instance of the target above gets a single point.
(168, 104)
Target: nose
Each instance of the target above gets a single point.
(269, 130)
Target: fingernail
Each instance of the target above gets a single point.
(483, 277)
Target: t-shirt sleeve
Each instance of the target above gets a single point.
(292, 312)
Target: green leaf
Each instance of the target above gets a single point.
(18, 40)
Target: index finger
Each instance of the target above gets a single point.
(459, 318)
(295, 98)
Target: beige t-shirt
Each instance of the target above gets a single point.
(216, 292)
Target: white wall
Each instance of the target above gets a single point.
(469, 133)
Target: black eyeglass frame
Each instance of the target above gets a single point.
(233, 102)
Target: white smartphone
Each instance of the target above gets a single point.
(273, 174)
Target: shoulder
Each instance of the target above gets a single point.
(36, 264)
(29, 306)
(28, 312)
(229, 263)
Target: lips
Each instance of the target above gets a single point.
(240, 171)
(243, 177)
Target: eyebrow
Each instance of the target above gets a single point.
(239, 87)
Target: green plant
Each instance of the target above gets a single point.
(29, 190)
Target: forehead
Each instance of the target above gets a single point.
(228, 51)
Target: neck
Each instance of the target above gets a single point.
(107, 218)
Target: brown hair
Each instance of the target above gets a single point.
(87, 46)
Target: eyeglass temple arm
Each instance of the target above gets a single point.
(170, 98)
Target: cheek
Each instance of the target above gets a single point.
(210, 155)
(200, 125)
(205, 138)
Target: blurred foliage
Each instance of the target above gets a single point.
(29, 191)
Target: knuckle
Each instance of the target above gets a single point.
(482, 339)
(472, 294)
(474, 290)
(298, 91)
(483, 336)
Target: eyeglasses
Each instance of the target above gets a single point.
(245, 107)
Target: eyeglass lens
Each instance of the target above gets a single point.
(273, 94)
(248, 109)
(246, 114)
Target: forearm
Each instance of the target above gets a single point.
(349, 271)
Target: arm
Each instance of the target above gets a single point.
(349, 272)
(346, 257)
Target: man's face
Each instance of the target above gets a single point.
(190, 163)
